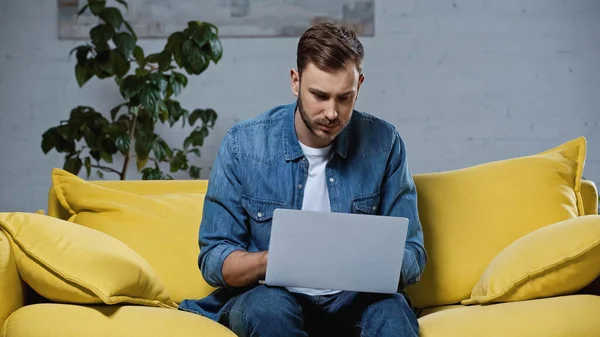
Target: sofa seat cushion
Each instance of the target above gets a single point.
(573, 316)
(68, 320)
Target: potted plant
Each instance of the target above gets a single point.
(149, 85)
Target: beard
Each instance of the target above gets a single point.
(312, 124)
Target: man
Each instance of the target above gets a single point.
(316, 154)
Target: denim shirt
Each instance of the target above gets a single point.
(260, 167)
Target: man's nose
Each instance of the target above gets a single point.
(331, 113)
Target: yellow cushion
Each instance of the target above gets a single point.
(68, 263)
(470, 215)
(64, 320)
(555, 260)
(572, 316)
(162, 228)
(11, 285)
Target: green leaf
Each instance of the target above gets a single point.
(88, 166)
(49, 139)
(142, 72)
(196, 138)
(164, 60)
(82, 74)
(178, 81)
(123, 142)
(195, 172)
(119, 63)
(161, 150)
(208, 117)
(82, 53)
(97, 6)
(125, 44)
(195, 61)
(149, 97)
(195, 115)
(73, 165)
(131, 86)
(107, 157)
(112, 16)
(216, 49)
(153, 58)
(154, 173)
(142, 150)
(114, 111)
(175, 111)
(138, 54)
(100, 174)
(159, 80)
(82, 10)
(174, 46)
(102, 33)
(179, 162)
(64, 131)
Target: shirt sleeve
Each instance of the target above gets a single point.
(399, 198)
(223, 229)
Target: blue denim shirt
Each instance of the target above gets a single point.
(260, 166)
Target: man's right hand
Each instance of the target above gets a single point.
(241, 269)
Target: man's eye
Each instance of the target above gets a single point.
(321, 97)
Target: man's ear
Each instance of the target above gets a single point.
(295, 77)
(361, 79)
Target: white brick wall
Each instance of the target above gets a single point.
(466, 82)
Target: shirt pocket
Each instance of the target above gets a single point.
(260, 214)
(260, 210)
(366, 204)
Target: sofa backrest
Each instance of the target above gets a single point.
(421, 293)
(589, 191)
(141, 187)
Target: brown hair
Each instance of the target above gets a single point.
(329, 47)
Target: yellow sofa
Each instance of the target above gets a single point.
(475, 220)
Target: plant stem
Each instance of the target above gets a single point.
(131, 139)
(106, 168)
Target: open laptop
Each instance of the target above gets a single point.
(339, 251)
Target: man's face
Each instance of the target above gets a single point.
(325, 102)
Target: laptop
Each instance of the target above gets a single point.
(336, 251)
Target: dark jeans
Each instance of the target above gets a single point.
(268, 311)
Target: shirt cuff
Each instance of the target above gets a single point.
(216, 258)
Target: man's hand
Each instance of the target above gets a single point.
(241, 268)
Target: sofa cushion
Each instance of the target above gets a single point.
(470, 215)
(162, 228)
(558, 259)
(65, 320)
(573, 316)
(11, 285)
(68, 263)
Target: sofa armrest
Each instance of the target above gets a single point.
(12, 288)
(589, 193)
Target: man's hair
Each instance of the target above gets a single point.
(329, 47)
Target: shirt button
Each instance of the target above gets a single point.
(259, 214)
(299, 186)
(331, 180)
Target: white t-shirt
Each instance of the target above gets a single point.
(316, 196)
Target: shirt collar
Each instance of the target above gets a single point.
(290, 138)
